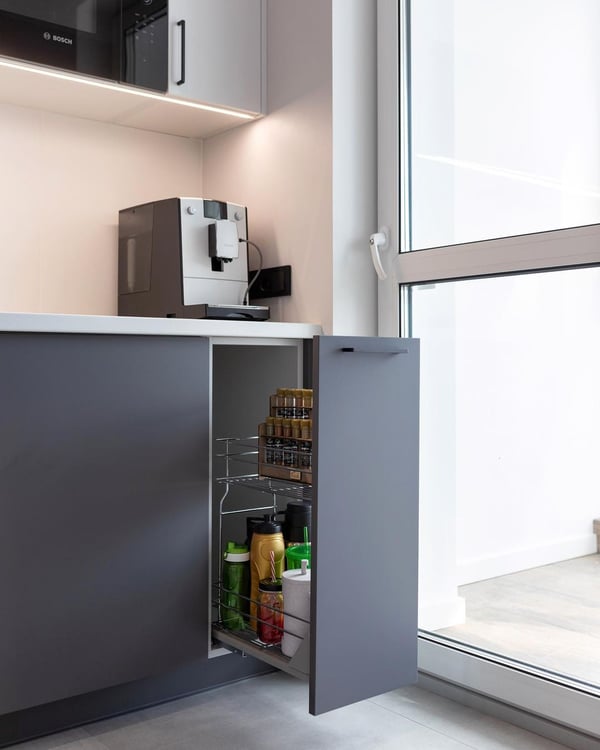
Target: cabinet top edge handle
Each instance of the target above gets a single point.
(351, 349)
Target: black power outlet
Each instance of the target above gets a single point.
(271, 282)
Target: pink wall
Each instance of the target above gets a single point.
(63, 181)
(281, 166)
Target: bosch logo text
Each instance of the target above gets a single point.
(56, 38)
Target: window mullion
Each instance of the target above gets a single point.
(561, 248)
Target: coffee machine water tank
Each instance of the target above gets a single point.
(182, 257)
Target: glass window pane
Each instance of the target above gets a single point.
(510, 439)
(505, 116)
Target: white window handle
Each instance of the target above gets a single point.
(379, 241)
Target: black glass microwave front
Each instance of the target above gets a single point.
(122, 40)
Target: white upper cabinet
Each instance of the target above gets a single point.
(216, 50)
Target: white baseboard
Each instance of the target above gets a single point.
(479, 569)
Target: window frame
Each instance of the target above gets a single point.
(531, 691)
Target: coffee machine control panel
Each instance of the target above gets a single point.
(214, 261)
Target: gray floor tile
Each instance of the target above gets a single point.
(263, 713)
(271, 713)
(487, 733)
(460, 722)
(74, 739)
(424, 707)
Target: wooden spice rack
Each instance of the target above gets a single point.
(285, 439)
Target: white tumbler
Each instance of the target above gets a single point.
(296, 603)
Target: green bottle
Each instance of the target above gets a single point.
(236, 587)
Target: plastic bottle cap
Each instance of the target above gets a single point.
(295, 576)
(266, 584)
(236, 552)
(231, 557)
(268, 526)
(299, 507)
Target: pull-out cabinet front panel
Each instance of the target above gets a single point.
(365, 519)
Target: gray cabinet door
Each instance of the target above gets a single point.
(103, 511)
(365, 518)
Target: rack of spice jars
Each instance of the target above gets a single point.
(262, 593)
(285, 438)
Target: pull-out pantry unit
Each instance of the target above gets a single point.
(364, 491)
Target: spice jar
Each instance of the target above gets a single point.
(289, 402)
(269, 456)
(307, 402)
(297, 402)
(279, 403)
(277, 454)
(305, 429)
(290, 454)
(270, 611)
(305, 458)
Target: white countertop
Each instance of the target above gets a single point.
(51, 323)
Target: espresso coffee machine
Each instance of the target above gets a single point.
(185, 258)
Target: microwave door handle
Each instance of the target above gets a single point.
(182, 79)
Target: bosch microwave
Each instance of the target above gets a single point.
(121, 40)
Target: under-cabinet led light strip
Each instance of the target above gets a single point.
(125, 90)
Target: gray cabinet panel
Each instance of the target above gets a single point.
(365, 519)
(103, 507)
